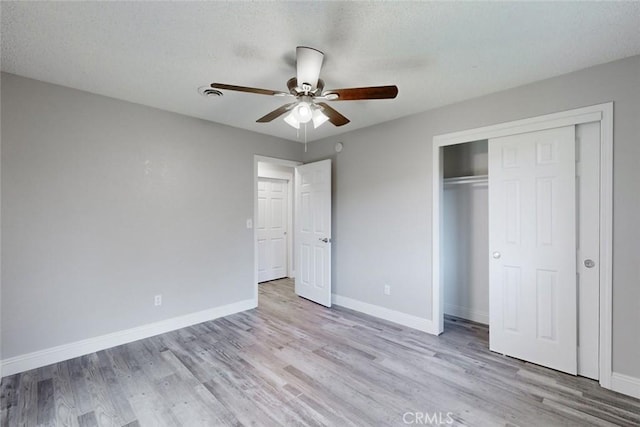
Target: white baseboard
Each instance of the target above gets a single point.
(467, 313)
(394, 316)
(625, 384)
(37, 359)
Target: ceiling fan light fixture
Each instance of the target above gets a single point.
(302, 112)
(318, 118)
(292, 121)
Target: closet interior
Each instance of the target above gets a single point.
(465, 241)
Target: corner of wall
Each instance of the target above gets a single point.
(414, 322)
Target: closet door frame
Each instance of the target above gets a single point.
(602, 113)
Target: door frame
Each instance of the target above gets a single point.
(602, 113)
(290, 255)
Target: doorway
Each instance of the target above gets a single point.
(465, 198)
(309, 218)
(273, 218)
(601, 115)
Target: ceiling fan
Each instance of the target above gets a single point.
(309, 93)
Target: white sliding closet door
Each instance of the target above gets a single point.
(588, 266)
(532, 241)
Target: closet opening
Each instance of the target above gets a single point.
(465, 228)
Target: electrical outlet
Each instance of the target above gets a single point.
(387, 290)
(249, 223)
(157, 300)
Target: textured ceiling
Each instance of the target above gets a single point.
(159, 53)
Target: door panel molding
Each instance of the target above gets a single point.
(602, 113)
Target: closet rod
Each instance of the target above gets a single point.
(472, 179)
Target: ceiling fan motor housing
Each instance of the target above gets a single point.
(308, 65)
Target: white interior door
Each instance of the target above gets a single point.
(271, 229)
(532, 240)
(313, 232)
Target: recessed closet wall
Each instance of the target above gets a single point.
(466, 231)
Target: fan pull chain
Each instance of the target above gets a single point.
(305, 137)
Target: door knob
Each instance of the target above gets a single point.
(497, 255)
(589, 263)
(324, 240)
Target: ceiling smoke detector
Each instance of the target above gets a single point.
(208, 91)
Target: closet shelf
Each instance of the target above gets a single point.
(471, 179)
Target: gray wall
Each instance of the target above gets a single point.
(107, 203)
(382, 199)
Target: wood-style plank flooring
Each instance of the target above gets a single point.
(292, 362)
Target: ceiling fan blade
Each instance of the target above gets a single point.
(357, 93)
(275, 113)
(308, 65)
(248, 89)
(335, 118)
(292, 84)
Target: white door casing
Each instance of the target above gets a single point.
(313, 231)
(271, 229)
(532, 242)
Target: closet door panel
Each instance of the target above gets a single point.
(532, 236)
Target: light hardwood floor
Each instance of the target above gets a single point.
(292, 362)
